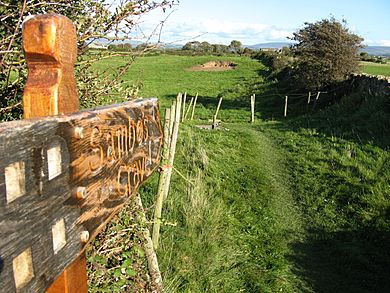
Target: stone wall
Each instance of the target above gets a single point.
(372, 84)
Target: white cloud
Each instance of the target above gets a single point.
(369, 42)
(384, 43)
(215, 31)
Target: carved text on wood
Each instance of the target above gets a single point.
(62, 178)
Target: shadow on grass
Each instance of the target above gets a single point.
(344, 261)
(212, 102)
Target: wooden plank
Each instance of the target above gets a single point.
(98, 159)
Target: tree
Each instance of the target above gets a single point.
(192, 46)
(206, 47)
(326, 52)
(235, 46)
(94, 20)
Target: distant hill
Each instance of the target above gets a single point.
(377, 50)
(371, 50)
(274, 45)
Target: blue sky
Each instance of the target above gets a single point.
(258, 21)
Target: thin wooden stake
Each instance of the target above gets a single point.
(184, 106)
(253, 100)
(189, 108)
(162, 180)
(171, 120)
(285, 106)
(308, 101)
(165, 182)
(172, 147)
(193, 107)
(216, 113)
(149, 251)
(316, 100)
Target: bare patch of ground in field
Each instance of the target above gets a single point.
(214, 66)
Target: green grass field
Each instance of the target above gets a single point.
(281, 205)
(375, 68)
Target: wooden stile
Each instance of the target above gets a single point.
(63, 177)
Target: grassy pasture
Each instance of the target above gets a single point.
(282, 205)
(164, 76)
(375, 68)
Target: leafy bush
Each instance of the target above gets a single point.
(326, 52)
(94, 19)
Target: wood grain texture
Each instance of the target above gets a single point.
(72, 279)
(118, 150)
(50, 46)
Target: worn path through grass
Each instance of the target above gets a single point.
(235, 228)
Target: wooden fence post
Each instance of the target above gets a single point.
(193, 107)
(316, 100)
(184, 106)
(172, 146)
(253, 101)
(50, 46)
(285, 106)
(165, 178)
(162, 179)
(189, 108)
(171, 120)
(216, 114)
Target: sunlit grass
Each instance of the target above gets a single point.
(375, 68)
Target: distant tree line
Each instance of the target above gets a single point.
(128, 47)
(376, 59)
(235, 47)
(125, 47)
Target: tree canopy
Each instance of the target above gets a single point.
(326, 52)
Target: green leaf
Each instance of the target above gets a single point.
(130, 272)
(127, 263)
(117, 273)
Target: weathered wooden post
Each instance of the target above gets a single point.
(63, 177)
(253, 103)
(285, 106)
(50, 47)
(193, 108)
(316, 100)
(214, 125)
